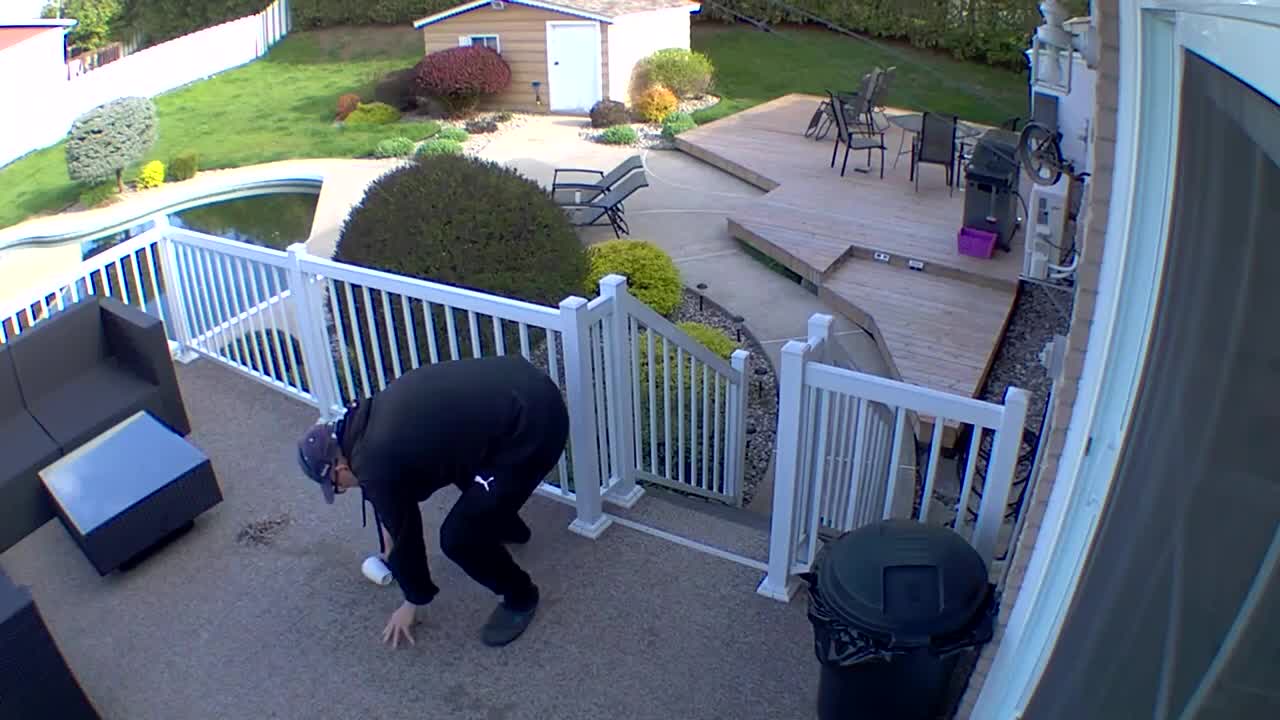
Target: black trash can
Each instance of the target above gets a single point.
(893, 606)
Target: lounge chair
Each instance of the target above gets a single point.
(608, 206)
(578, 193)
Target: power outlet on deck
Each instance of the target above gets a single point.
(882, 257)
(915, 265)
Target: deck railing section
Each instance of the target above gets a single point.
(845, 456)
(330, 333)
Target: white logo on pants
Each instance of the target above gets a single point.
(485, 483)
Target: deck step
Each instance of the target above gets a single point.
(707, 522)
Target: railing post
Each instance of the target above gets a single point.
(591, 521)
(1000, 470)
(778, 583)
(819, 336)
(621, 416)
(175, 300)
(314, 336)
(736, 436)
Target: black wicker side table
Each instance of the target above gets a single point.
(35, 681)
(129, 490)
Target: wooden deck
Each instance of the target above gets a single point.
(938, 325)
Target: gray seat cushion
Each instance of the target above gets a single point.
(24, 503)
(91, 402)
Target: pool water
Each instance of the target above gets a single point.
(275, 220)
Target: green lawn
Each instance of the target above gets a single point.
(754, 67)
(280, 107)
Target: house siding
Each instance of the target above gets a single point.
(1067, 385)
(634, 37)
(522, 33)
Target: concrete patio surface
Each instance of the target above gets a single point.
(631, 626)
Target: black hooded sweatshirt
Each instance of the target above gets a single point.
(443, 424)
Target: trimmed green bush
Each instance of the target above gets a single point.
(439, 146)
(687, 73)
(713, 338)
(151, 175)
(393, 147)
(652, 276)
(677, 123)
(99, 195)
(620, 135)
(419, 130)
(465, 222)
(374, 113)
(109, 138)
(655, 104)
(608, 113)
(455, 134)
(182, 167)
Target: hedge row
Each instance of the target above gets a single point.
(326, 13)
(995, 32)
(161, 20)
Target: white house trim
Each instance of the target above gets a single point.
(53, 23)
(1129, 283)
(419, 24)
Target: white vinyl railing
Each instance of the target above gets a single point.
(681, 416)
(329, 333)
(845, 456)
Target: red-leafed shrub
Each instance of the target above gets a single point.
(347, 104)
(460, 76)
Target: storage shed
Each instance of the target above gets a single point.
(564, 55)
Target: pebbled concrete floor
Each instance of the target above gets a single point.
(631, 626)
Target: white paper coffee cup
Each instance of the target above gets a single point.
(376, 570)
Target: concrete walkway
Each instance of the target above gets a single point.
(684, 210)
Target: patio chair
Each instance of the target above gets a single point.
(585, 192)
(823, 118)
(607, 207)
(853, 137)
(935, 145)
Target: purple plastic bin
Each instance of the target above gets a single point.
(976, 243)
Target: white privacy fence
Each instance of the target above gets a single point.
(47, 115)
(846, 456)
(328, 333)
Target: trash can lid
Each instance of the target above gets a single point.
(904, 579)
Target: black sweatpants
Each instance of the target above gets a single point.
(487, 515)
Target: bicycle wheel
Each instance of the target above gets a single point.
(1040, 153)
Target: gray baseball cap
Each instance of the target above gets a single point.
(317, 453)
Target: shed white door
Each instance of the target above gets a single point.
(573, 65)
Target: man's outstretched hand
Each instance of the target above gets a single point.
(401, 624)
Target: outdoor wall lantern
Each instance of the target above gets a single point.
(537, 91)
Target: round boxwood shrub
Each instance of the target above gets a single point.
(182, 167)
(608, 113)
(687, 73)
(109, 138)
(374, 113)
(460, 76)
(712, 338)
(470, 223)
(677, 123)
(652, 276)
(151, 175)
(655, 104)
(619, 135)
(439, 146)
(393, 147)
(456, 134)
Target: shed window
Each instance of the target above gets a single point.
(489, 41)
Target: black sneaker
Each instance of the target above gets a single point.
(507, 623)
